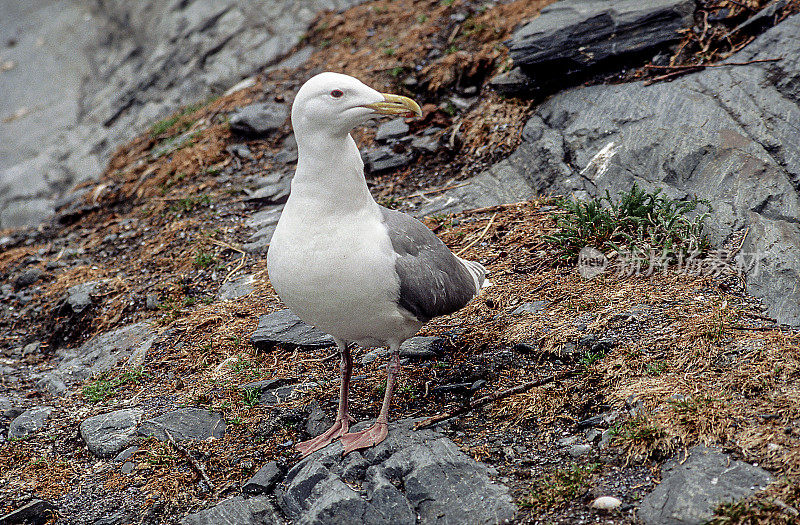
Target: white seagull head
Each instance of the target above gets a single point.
(333, 104)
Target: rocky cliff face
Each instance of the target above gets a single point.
(728, 134)
(150, 374)
(86, 76)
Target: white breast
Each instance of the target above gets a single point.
(336, 272)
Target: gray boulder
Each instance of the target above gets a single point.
(283, 327)
(692, 488)
(726, 134)
(126, 346)
(260, 119)
(107, 434)
(236, 511)
(29, 422)
(572, 37)
(411, 477)
(184, 424)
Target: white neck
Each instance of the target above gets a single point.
(330, 173)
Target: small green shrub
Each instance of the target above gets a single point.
(639, 223)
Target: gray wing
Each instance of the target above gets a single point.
(433, 281)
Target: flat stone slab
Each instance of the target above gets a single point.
(127, 345)
(690, 490)
(283, 327)
(29, 421)
(572, 36)
(185, 423)
(107, 434)
(236, 511)
(411, 477)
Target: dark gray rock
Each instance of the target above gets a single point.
(412, 476)
(504, 182)
(423, 347)
(571, 37)
(263, 480)
(236, 288)
(10, 407)
(384, 158)
(391, 129)
(240, 150)
(28, 277)
(318, 420)
(530, 308)
(267, 216)
(427, 144)
(283, 327)
(288, 152)
(512, 82)
(107, 434)
(728, 135)
(261, 118)
(126, 346)
(236, 511)
(259, 241)
(185, 423)
(29, 421)
(691, 488)
(35, 511)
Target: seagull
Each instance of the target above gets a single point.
(361, 272)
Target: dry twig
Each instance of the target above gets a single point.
(192, 461)
(483, 233)
(485, 400)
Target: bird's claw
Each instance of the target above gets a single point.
(339, 428)
(364, 439)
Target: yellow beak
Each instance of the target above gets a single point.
(395, 105)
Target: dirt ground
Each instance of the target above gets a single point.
(673, 358)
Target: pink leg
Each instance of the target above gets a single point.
(342, 423)
(377, 432)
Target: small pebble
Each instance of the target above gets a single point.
(606, 503)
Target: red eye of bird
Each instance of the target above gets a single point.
(336, 93)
